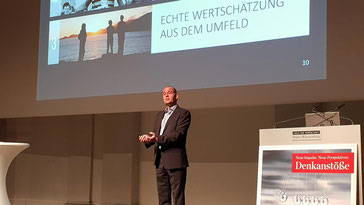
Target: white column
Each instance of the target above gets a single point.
(8, 151)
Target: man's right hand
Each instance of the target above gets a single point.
(146, 138)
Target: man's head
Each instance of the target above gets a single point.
(67, 9)
(121, 17)
(110, 22)
(170, 96)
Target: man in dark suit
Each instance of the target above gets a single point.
(169, 137)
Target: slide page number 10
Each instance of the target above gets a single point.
(305, 63)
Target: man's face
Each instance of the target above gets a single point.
(67, 9)
(169, 96)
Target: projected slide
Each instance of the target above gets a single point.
(100, 30)
(108, 47)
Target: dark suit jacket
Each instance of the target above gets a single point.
(171, 145)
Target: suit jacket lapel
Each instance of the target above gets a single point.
(159, 121)
(172, 117)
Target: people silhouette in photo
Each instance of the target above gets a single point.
(110, 38)
(121, 34)
(102, 4)
(82, 37)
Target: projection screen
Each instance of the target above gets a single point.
(111, 47)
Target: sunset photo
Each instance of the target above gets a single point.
(88, 37)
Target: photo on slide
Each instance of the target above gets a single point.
(107, 35)
(66, 7)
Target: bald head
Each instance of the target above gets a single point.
(170, 96)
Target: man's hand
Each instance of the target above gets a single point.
(148, 138)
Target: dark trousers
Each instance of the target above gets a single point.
(81, 53)
(121, 39)
(110, 43)
(171, 181)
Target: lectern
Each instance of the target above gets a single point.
(310, 166)
(8, 151)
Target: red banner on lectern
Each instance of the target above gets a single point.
(323, 163)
